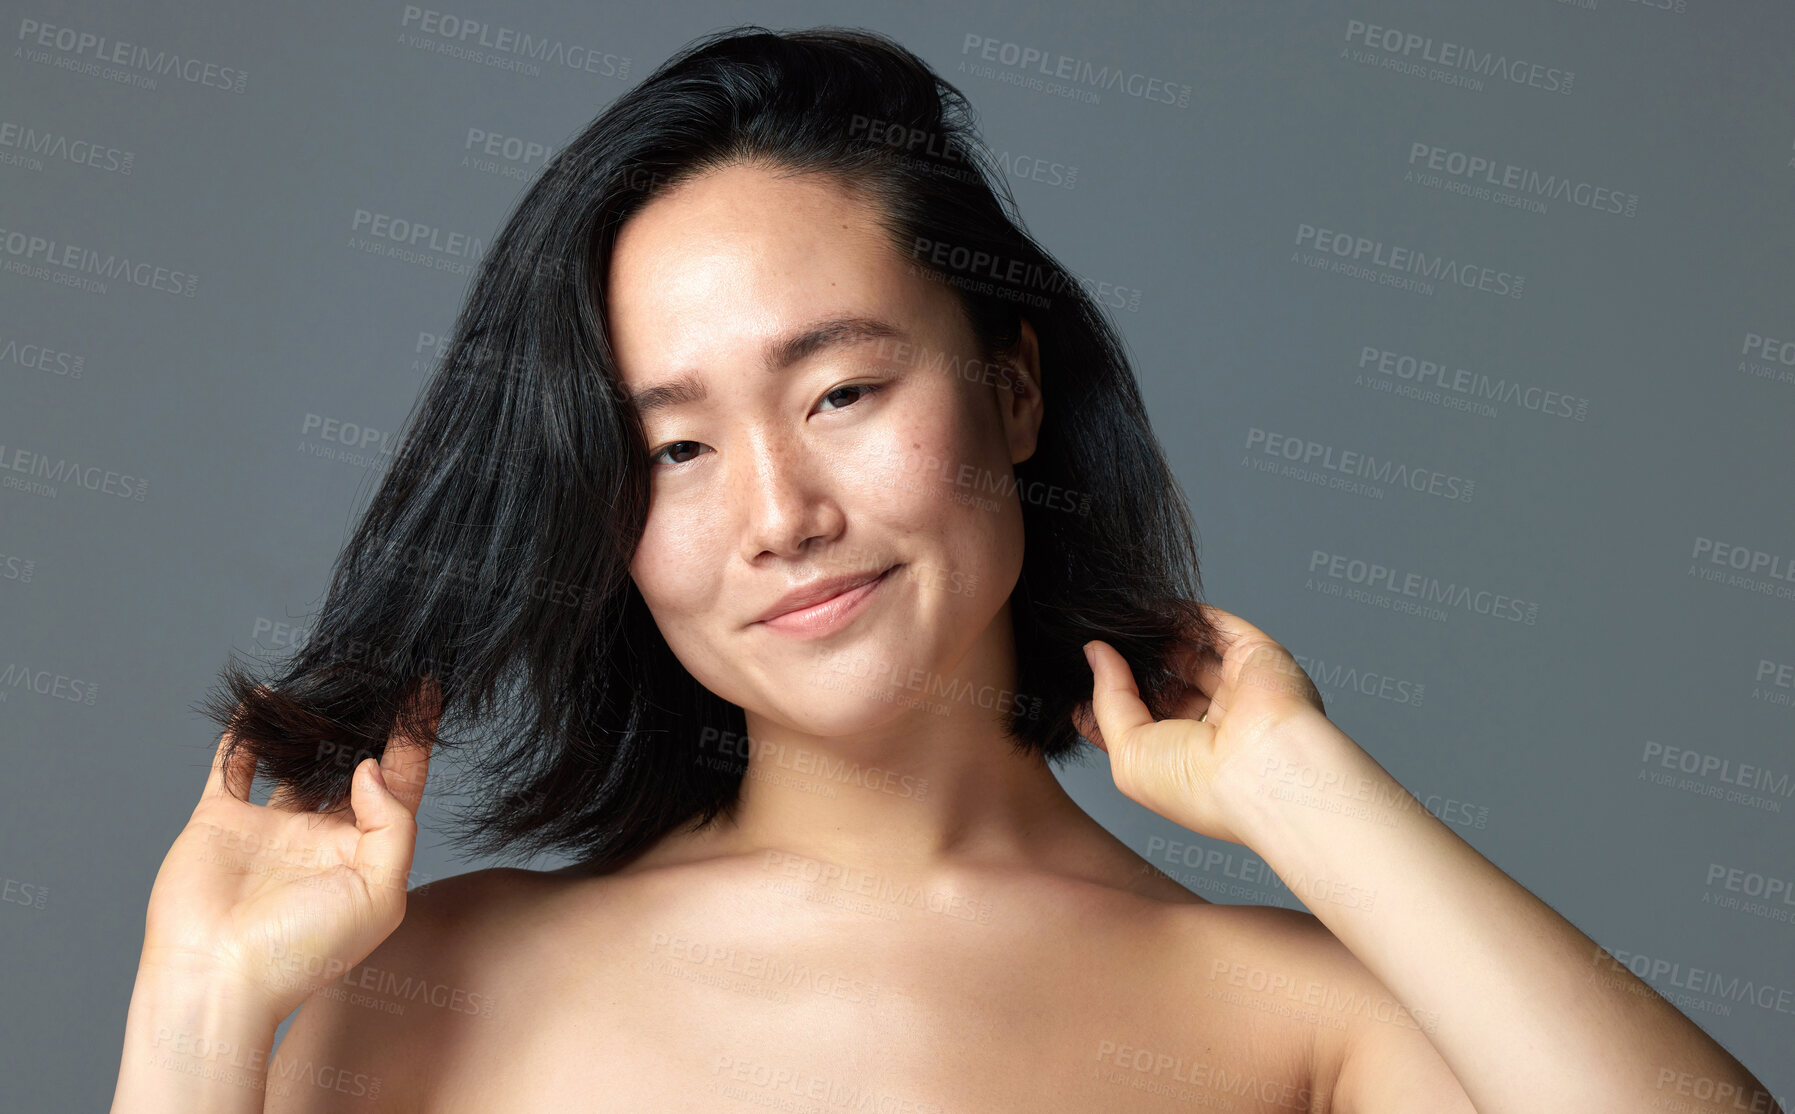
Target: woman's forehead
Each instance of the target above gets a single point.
(748, 221)
(734, 261)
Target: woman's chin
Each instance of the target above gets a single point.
(835, 713)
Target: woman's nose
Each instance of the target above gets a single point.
(782, 493)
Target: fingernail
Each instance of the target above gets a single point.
(1088, 659)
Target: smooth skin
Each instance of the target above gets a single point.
(253, 909)
(954, 933)
(1526, 1012)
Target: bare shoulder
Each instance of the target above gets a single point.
(389, 1030)
(1302, 989)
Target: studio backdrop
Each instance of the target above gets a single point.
(1469, 330)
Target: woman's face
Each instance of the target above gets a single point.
(848, 453)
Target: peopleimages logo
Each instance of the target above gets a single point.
(1713, 984)
(75, 265)
(1365, 251)
(1749, 891)
(28, 470)
(1343, 463)
(1749, 567)
(1081, 77)
(507, 156)
(24, 145)
(14, 567)
(1474, 387)
(1455, 60)
(504, 47)
(1465, 172)
(1768, 357)
(843, 670)
(1716, 777)
(800, 760)
(41, 357)
(84, 50)
(1418, 592)
(1342, 677)
(1000, 274)
(75, 690)
(417, 235)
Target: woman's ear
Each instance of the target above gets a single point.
(1019, 393)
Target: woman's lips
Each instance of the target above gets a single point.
(827, 616)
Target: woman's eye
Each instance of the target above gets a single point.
(674, 447)
(656, 455)
(865, 388)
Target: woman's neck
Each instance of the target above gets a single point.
(914, 793)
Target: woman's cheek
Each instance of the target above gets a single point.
(912, 470)
(674, 571)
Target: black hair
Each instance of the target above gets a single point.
(494, 555)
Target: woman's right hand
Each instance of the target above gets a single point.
(275, 902)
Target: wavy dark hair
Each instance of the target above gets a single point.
(494, 555)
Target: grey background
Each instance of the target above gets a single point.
(1529, 737)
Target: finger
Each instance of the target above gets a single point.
(1241, 641)
(1230, 626)
(405, 764)
(1186, 692)
(1115, 699)
(1269, 667)
(388, 834)
(1213, 713)
(1201, 666)
(1198, 672)
(234, 775)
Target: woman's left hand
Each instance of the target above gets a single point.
(1244, 701)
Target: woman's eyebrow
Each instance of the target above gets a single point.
(781, 353)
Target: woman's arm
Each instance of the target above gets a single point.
(253, 909)
(1529, 1013)
(193, 1047)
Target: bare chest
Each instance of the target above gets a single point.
(931, 1013)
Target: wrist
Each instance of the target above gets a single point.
(194, 1044)
(205, 999)
(1309, 764)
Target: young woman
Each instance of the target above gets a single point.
(763, 511)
